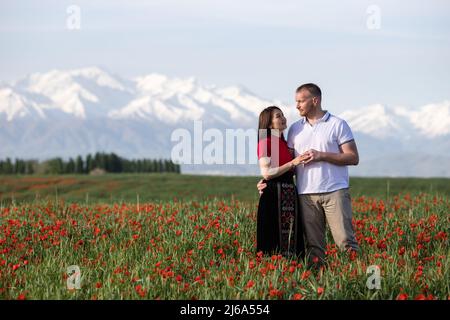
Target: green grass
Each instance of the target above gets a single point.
(201, 245)
(206, 250)
(112, 188)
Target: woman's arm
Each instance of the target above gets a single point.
(272, 172)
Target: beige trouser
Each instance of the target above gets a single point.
(332, 207)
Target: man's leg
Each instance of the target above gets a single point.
(314, 224)
(338, 211)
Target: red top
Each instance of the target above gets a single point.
(264, 150)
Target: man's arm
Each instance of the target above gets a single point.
(348, 155)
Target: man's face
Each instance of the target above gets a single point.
(305, 102)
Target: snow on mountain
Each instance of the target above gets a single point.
(77, 92)
(170, 111)
(432, 120)
(374, 120)
(177, 100)
(18, 104)
(93, 92)
(157, 84)
(14, 105)
(70, 112)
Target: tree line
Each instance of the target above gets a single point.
(109, 162)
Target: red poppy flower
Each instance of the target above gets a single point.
(275, 293)
(21, 296)
(297, 296)
(305, 274)
(402, 296)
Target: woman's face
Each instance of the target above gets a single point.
(278, 120)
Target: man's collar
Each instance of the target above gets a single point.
(324, 118)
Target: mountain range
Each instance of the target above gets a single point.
(75, 112)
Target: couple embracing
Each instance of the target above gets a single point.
(292, 218)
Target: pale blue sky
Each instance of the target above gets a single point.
(270, 47)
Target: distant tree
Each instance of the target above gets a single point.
(126, 165)
(167, 166)
(103, 161)
(134, 166)
(98, 160)
(16, 166)
(153, 165)
(145, 166)
(30, 166)
(69, 166)
(8, 166)
(55, 166)
(161, 166)
(116, 163)
(90, 163)
(107, 162)
(79, 165)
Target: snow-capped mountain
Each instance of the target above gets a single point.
(432, 120)
(92, 92)
(71, 112)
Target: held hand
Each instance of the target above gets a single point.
(314, 156)
(301, 159)
(261, 186)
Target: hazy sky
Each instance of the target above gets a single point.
(270, 47)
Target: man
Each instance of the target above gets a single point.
(322, 181)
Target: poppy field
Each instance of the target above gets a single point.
(181, 249)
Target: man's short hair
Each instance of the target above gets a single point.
(312, 88)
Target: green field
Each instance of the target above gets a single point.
(112, 188)
(168, 236)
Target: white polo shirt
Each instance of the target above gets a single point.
(327, 134)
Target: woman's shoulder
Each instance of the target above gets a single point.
(264, 147)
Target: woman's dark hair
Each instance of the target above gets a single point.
(265, 120)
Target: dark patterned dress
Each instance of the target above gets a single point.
(279, 229)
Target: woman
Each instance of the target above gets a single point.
(279, 229)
